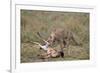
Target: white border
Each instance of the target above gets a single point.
(17, 67)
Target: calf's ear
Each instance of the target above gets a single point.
(62, 54)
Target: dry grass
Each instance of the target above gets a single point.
(44, 22)
(29, 53)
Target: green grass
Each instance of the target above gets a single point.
(44, 22)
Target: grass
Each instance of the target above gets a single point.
(44, 22)
(29, 53)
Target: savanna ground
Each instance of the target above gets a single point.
(44, 22)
